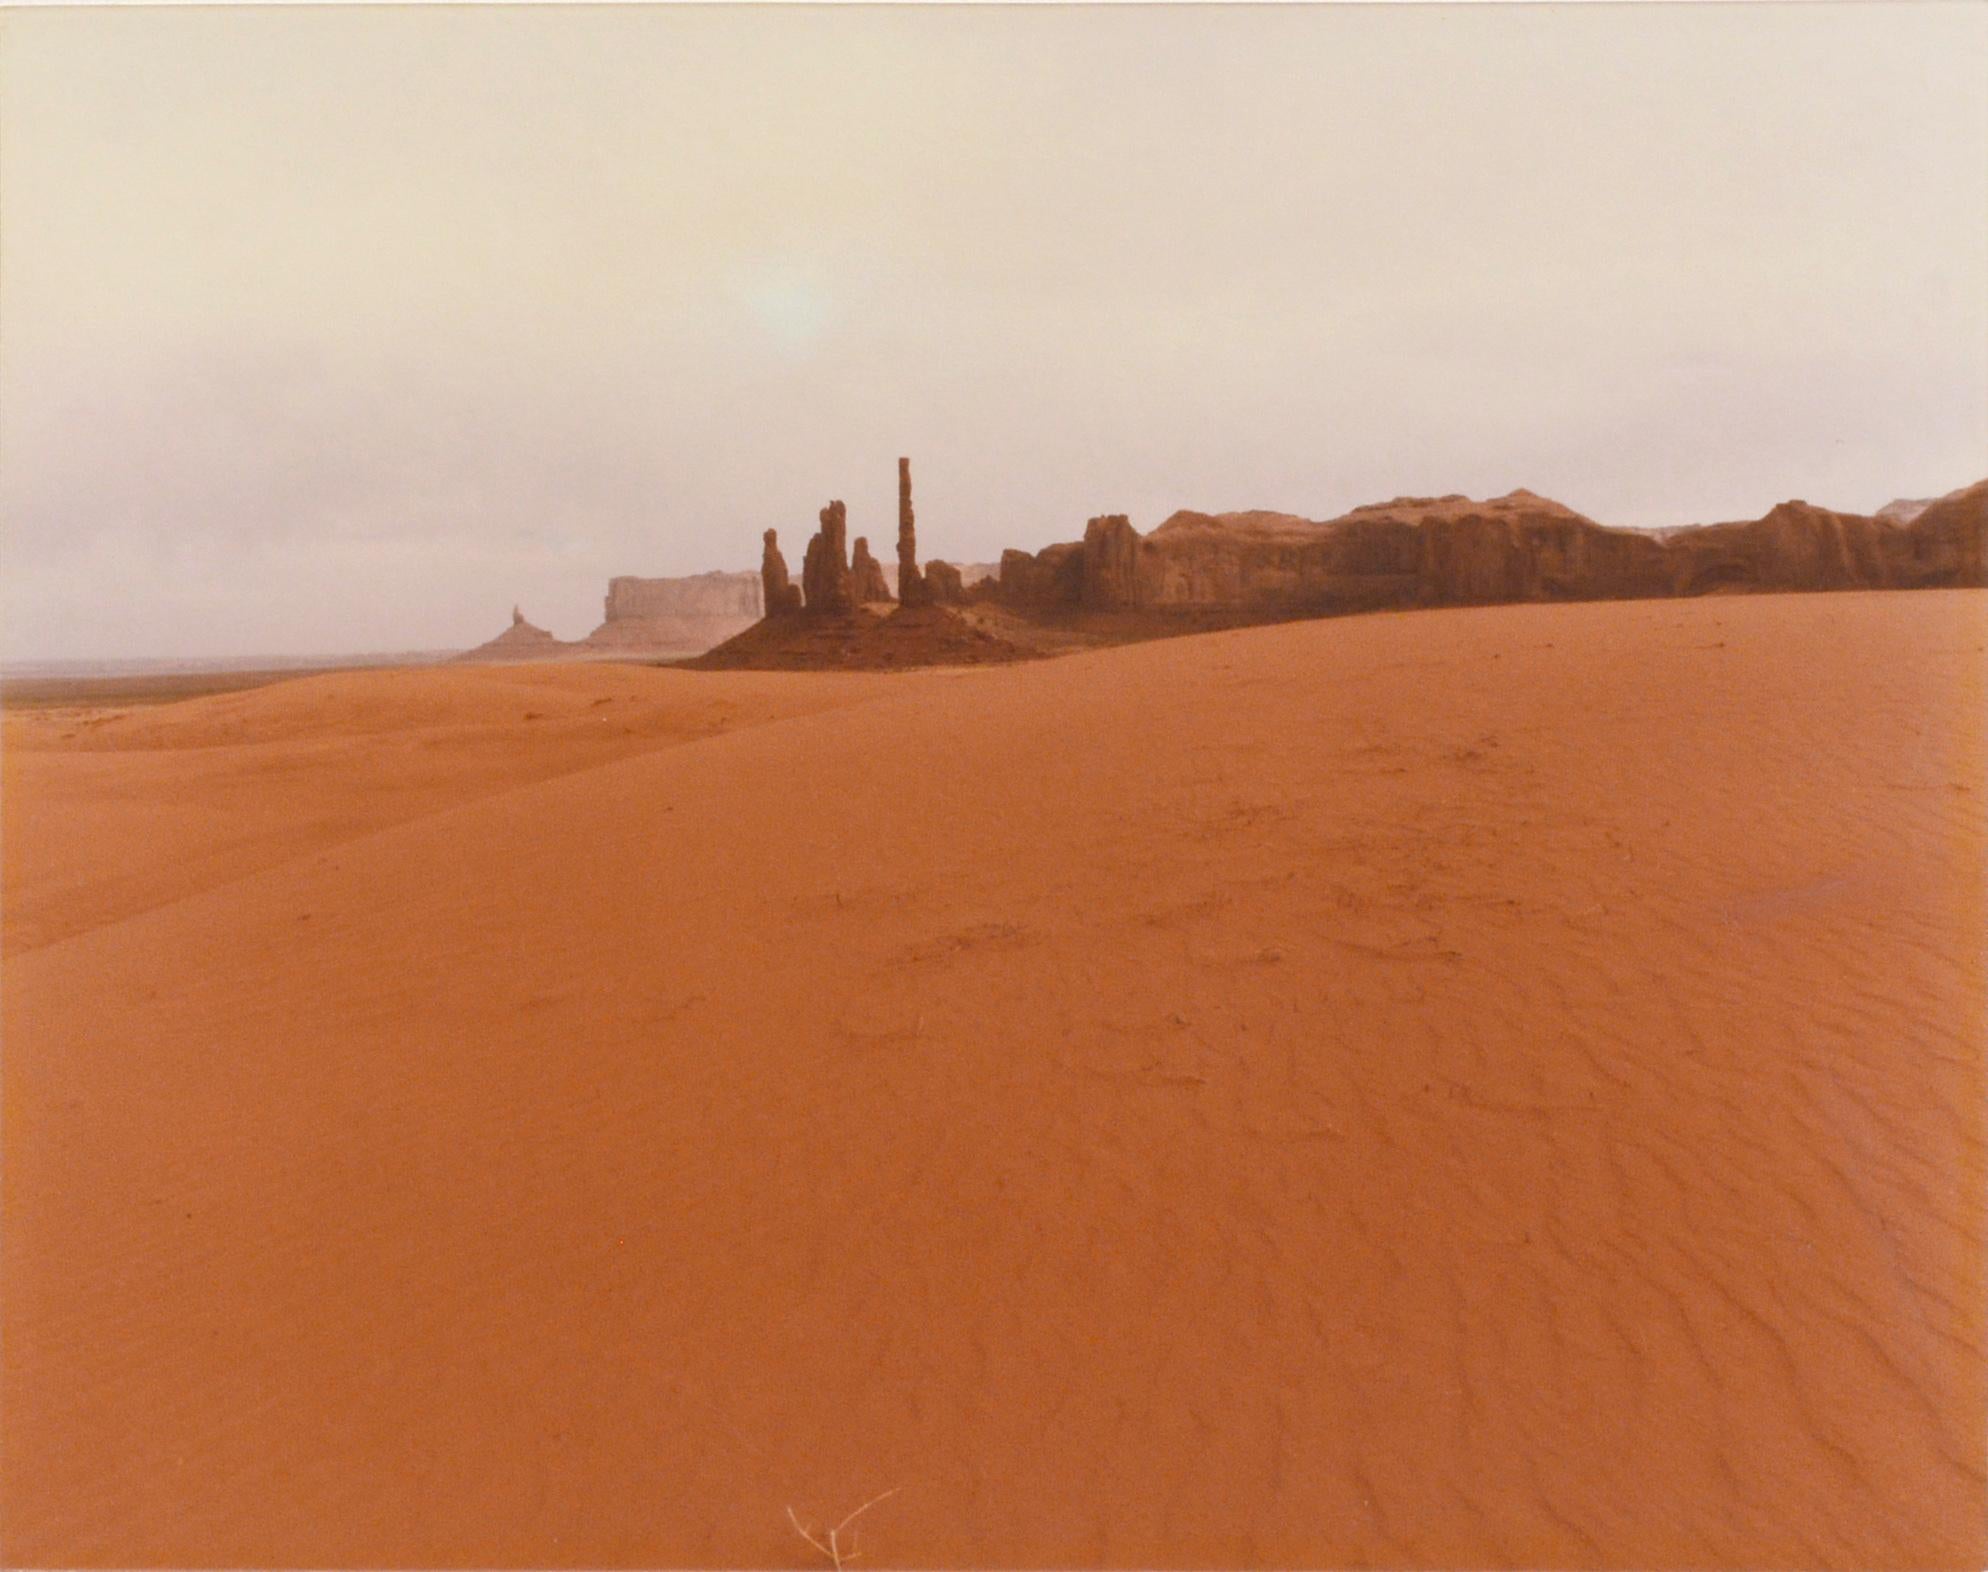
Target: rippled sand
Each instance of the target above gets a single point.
(1488, 1088)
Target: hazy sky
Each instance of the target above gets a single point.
(336, 330)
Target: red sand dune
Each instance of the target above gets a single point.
(1486, 1088)
(115, 811)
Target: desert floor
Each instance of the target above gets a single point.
(1475, 1088)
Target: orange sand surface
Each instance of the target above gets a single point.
(1482, 1088)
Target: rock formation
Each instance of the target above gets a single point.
(522, 640)
(1947, 544)
(911, 589)
(825, 576)
(676, 616)
(971, 574)
(1052, 576)
(1794, 546)
(1451, 551)
(1111, 563)
(698, 595)
(1209, 570)
(831, 586)
(943, 584)
(867, 575)
(781, 597)
(1797, 546)
(1217, 569)
(1524, 547)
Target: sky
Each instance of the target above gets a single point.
(327, 330)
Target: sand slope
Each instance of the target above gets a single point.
(170, 799)
(1477, 1088)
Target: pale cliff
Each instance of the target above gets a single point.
(677, 616)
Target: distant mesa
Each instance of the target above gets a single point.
(678, 616)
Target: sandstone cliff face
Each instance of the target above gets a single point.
(1796, 546)
(1451, 551)
(1412, 551)
(1111, 563)
(677, 616)
(701, 595)
(1273, 562)
(1947, 542)
(1523, 547)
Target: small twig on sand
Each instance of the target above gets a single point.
(833, 1551)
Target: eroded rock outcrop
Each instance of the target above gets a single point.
(972, 574)
(1212, 570)
(832, 585)
(1798, 546)
(825, 578)
(1525, 547)
(1946, 544)
(1053, 576)
(1452, 550)
(1795, 546)
(943, 584)
(866, 575)
(782, 597)
(911, 589)
(522, 640)
(1412, 551)
(1111, 563)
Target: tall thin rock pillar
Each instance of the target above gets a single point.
(911, 590)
